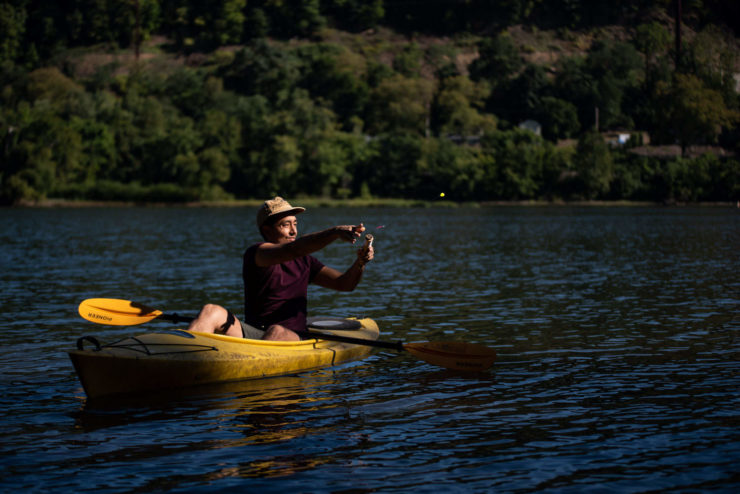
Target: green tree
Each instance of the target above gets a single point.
(557, 171)
(407, 61)
(518, 158)
(614, 69)
(600, 80)
(218, 22)
(594, 166)
(336, 74)
(392, 170)
(261, 68)
(498, 59)
(457, 108)
(355, 15)
(521, 98)
(574, 84)
(325, 163)
(289, 18)
(98, 151)
(630, 177)
(52, 138)
(49, 84)
(652, 40)
(280, 162)
(713, 57)
(257, 24)
(559, 118)
(693, 113)
(247, 172)
(187, 90)
(172, 157)
(221, 131)
(725, 181)
(12, 30)
(400, 104)
(140, 124)
(214, 171)
(447, 167)
(33, 180)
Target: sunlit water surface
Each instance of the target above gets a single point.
(616, 330)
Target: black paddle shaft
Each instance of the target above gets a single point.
(397, 345)
(175, 318)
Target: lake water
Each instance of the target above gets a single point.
(616, 328)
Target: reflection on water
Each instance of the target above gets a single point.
(616, 333)
(250, 413)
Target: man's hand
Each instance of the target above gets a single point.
(349, 233)
(366, 253)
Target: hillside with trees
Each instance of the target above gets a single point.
(485, 100)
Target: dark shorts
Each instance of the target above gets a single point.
(250, 332)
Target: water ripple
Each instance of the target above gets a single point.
(616, 331)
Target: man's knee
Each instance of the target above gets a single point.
(280, 333)
(212, 311)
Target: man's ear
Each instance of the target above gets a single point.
(263, 231)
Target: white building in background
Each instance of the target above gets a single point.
(532, 126)
(616, 139)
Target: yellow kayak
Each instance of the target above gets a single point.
(179, 358)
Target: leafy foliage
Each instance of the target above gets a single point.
(254, 98)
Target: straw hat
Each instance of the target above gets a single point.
(274, 207)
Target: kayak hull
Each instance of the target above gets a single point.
(179, 359)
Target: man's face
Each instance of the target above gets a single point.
(284, 230)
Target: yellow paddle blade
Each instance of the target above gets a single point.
(116, 312)
(455, 355)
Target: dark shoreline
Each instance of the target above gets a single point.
(379, 203)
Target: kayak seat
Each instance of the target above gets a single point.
(333, 323)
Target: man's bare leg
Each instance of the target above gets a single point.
(277, 332)
(212, 318)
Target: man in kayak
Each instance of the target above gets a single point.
(276, 275)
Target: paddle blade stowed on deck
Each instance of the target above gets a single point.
(116, 312)
(454, 355)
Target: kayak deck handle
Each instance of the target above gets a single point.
(91, 339)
